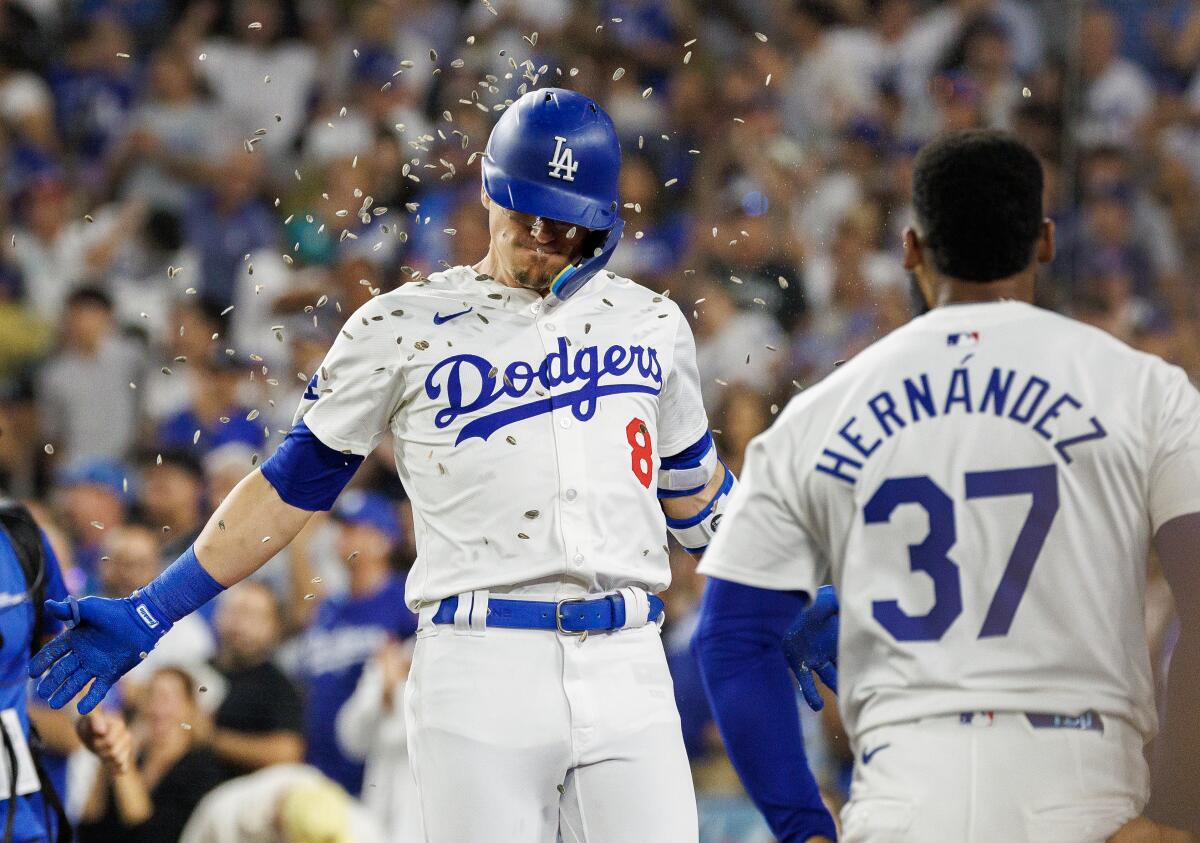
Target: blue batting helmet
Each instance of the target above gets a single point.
(554, 153)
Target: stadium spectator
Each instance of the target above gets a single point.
(370, 728)
(59, 251)
(347, 631)
(224, 467)
(226, 222)
(260, 721)
(87, 408)
(744, 412)
(151, 802)
(287, 803)
(214, 414)
(831, 82)
(729, 339)
(262, 78)
(93, 497)
(150, 271)
(170, 493)
(93, 89)
(24, 338)
(195, 332)
(1118, 93)
(171, 136)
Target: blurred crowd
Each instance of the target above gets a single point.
(195, 195)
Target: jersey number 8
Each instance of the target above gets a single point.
(641, 458)
(930, 556)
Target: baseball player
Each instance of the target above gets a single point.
(983, 486)
(544, 415)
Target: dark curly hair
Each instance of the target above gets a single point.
(978, 200)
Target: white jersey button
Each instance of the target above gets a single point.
(578, 559)
(549, 326)
(570, 494)
(564, 423)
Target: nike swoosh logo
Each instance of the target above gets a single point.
(867, 756)
(439, 319)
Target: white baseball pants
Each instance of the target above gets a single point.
(994, 779)
(517, 735)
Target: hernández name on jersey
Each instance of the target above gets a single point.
(1020, 397)
(472, 383)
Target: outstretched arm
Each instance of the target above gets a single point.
(106, 638)
(343, 415)
(250, 526)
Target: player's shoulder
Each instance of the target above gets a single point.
(456, 280)
(427, 292)
(1104, 351)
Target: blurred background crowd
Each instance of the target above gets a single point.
(194, 196)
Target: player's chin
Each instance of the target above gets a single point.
(539, 273)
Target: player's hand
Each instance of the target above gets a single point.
(104, 640)
(1145, 830)
(810, 646)
(108, 738)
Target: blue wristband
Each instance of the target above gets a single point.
(181, 589)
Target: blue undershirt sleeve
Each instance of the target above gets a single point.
(306, 473)
(738, 644)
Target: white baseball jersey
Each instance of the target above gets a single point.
(982, 486)
(528, 432)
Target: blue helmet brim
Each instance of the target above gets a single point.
(543, 200)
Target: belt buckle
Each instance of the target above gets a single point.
(558, 618)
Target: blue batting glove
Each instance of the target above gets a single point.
(810, 646)
(104, 640)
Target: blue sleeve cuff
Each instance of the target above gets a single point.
(738, 644)
(181, 589)
(306, 473)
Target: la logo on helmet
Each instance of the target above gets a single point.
(562, 163)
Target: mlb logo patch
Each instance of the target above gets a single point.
(963, 339)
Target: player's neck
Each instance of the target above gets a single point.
(952, 291)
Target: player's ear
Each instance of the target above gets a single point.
(914, 263)
(913, 250)
(484, 199)
(1045, 242)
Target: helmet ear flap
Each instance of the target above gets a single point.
(596, 253)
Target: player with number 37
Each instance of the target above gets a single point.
(983, 486)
